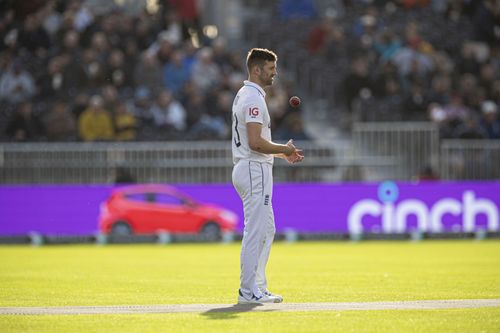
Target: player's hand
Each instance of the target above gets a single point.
(290, 148)
(296, 155)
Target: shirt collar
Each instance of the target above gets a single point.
(256, 86)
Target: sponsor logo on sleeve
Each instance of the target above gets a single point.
(253, 112)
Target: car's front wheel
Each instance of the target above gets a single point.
(121, 229)
(211, 232)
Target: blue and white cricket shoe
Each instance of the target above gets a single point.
(278, 298)
(262, 299)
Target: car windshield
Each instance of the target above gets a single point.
(162, 198)
(167, 199)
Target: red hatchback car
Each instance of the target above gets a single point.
(147, 209)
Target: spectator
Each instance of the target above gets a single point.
(468, 63)
(51, 19)
(391, 104)
(438, 116)
(189, 52)
(110, 97)
(143, 34)
(33, 36)
(387, 71)
(148, 72)
(95, 123)
(486, 22)
(320, 35)
(173, 28)
(189, 16)
(168, 113)
(93, 71)
(468, 90)
(413, 58)
(455, 110)
(367, 27)
(8, 35)
(80, 104)
(122, 175)
(16, 84)
(54, 83)
(277, 104)
(293, 128)
(141, 106)
(224, 107)
(490, 122)
(356, 81)
(221, 56)
(205, 73)
(411, 62)
(488, 75)
(387, 44)
(24, 125)
(469, 129)
(125, 124)
(175, 73)
(82, 15)
(209, 127)
(60, 123)
(117, 72)
(415, 103)
(427, 173)
(163, 48)
(100, 45)
(440, 89)
(195, 106)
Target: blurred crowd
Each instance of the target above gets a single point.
(414, 60)
(395, 60)
(70, 73)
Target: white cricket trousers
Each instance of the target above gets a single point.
(254, 183)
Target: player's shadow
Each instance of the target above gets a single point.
(229, 312)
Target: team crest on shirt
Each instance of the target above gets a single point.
(253, 112)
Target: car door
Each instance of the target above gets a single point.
(172, 213)
(141, 211)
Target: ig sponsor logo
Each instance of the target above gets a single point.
(394, 216)
(253, 112)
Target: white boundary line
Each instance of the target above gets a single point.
(282, 307)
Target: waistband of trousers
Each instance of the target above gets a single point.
(253, 161)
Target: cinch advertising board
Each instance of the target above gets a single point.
(386, 207)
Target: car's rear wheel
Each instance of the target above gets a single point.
(121, 229)
(211, 232)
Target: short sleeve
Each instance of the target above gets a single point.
(254, 113)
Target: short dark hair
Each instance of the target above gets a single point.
(257, 56)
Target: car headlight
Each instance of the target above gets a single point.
(228, 216)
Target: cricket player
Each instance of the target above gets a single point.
(253, 156)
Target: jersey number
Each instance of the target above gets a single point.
(237, 140)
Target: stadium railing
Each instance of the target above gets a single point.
(377, 151)
(414, 144)
(470, 159)
(167, 162)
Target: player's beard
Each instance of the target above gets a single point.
(267, 80)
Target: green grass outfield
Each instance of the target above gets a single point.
(209, 273)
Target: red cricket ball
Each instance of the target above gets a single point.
(294, 101)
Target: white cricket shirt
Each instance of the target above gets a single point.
(249, 106)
